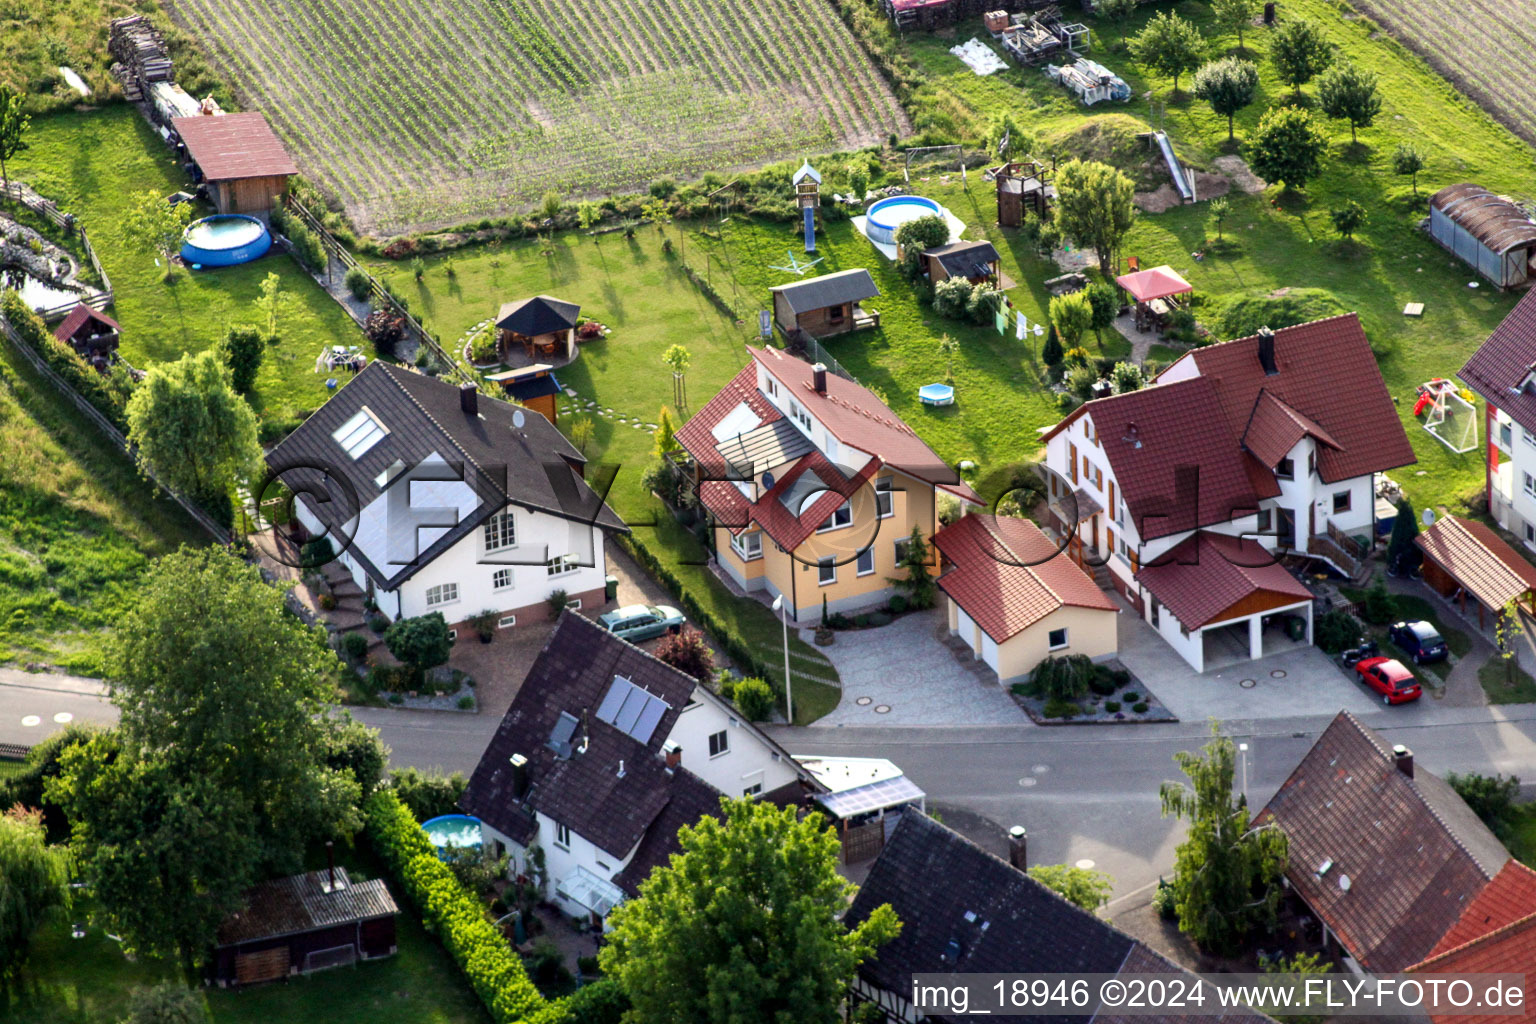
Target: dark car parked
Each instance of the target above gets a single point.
(1420, 641)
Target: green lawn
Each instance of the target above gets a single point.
(77, 525)
(1522, 840)
(1495, 677)
(9, 768)
(90, 164)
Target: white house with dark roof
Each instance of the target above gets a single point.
(439, 499)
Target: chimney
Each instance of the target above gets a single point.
(330, 858)
(673, 755)
(1267, 351)
(621, 767)
(819, 378)
(519, 776)
(1018, 843)
(1403, 758)
(469, 400)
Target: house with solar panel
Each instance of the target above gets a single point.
(1186, 496)
(436, 498)
(604, 754)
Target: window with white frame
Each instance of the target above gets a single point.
(500, 532)
(443, 593)
(1530, 438)
(1530, 533)
(359, 433)
(748, 545)
(1341, 501)
(753, 790)
(900, 547)
(773, 387)
(1285, 469)
(562, 836)
(562, 564)
(1266, 521)
(502, 579)
(1057, 639)
(800, 416)
(1530, 485)
(719, 743)
(826, 571)
(506, 622)
(866, 561)
(885, 498)
(840, 518)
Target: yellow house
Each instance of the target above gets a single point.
(1016, 598)
(812, 484)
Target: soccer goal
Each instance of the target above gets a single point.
(1447, 415)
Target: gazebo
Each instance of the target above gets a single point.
(1153, 291)
(543, 326)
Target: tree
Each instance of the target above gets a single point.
(688, 652)
(243, 349)
(1105, 300)
(191, 429)
(1507, 630)
(34, 882)
(1348, 92)
(1298, 967)
(915, 236)
(1084, 887)
(1228, 85)
(656, 211)
(1491, 797)
(1408, 160)
(1071, 315)
(14, 124)
(1119, 12)
(1348, 219)
(1218, 209)
(1299, 53)
(581, 433)
(1226, 873)
(1080, 380)
(215, 678)
(551, 205)
(420, 642)
(1403, 555)
(1094, 209)
(1127, 377)
(678, 360)
(587, 214)
(1234, 16)
(1006, 138)
(271, 302)
(665, 434)
(951, 295)
(1170, 46)
(1287, 147)
(744, 925)
(947, 348)
(153, 227)
(166, 1003)
(1051, 353)
(917, 584)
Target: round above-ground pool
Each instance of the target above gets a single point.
(886, 215)
(224, 240)
(457, 830)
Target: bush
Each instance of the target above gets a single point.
(166, 1003)
(1334, 631)
(466, 703)
(1111, 706)
(1140, 707)
(600, 1002)
(42, 764)
(1165, 901)
(689, 653)
(354, 646)
(755, 699)
(482, 349)
(1055, 708)
(452, 914)
(420, 642)
(913, 237)
(898, 603)
(556, 601)
(1080, 381)
(1102, 681)
(1064, 679)
(377, 623)
(951, 296)
(546, 966)
(427, 794)
(1130, 696)
(1379, 607)
(358, 283)
(243, 349)
(315, 553)
(63, 360)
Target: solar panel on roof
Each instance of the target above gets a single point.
(631, 710)
(650, 717)
(612, 701)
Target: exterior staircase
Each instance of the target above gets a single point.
(1334, 554)
(1103, 577)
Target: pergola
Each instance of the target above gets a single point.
(1153, 291)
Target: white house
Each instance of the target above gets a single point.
(1188, 490)
(439, 499)
(1503, 372)
(604, 754)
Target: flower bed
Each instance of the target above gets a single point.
(1128, 702)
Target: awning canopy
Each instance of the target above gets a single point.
(1479, 560)
(596, 894)
(876, 796)
(1156, 283)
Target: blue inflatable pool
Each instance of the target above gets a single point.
(886, 215)
(936, 394)
(225, 240)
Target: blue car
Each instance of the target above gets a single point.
(1419, 641)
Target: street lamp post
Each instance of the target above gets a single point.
(1242, 749)
(789, 693)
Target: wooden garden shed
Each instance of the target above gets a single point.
(1490, 232)
(826, 305)
(1463, 558)
(239, 157)
(542, 326)
(304, 923)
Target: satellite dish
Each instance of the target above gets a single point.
(1429, 517)
(518, 419)
(767, 481)
(1344, 882)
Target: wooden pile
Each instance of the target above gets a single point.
(141, 55)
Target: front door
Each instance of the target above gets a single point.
(1287, 531)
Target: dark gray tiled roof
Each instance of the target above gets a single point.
(585, 792)
(538, 315)
(965, 259)
(828, 290)
(299, 903)
(533, 467)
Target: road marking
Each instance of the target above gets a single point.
(63, 718)
(1085, 864)
(31, 721)
(1028, 781)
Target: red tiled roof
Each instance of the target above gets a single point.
(696, 436)
(1202, 577)
(227, 146)
(1154, 283)
(1510, 897)
(78, 317)
(1475, 556)
(1509, 950)
(1499, 367)
(1274, 428)
(1416, 856)
(1008, 575)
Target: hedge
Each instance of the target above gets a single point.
(456, 917)
(63, 360)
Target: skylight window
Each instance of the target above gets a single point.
(360, 433)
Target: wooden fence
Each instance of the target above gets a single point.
(98, 299)
(106, 426)
(335, 250)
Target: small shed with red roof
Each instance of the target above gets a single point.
(1463, 558)
(91, 334)
(240, 157)
(1016, 598)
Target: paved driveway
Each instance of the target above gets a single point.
(907, 670)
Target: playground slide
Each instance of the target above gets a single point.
(810, 229)
(1181, 179)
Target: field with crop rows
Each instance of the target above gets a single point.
(1483, 46)
(428, 115)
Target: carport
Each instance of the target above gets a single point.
(1212, 594)
(1465, 558)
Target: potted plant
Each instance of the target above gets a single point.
(484, 624)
